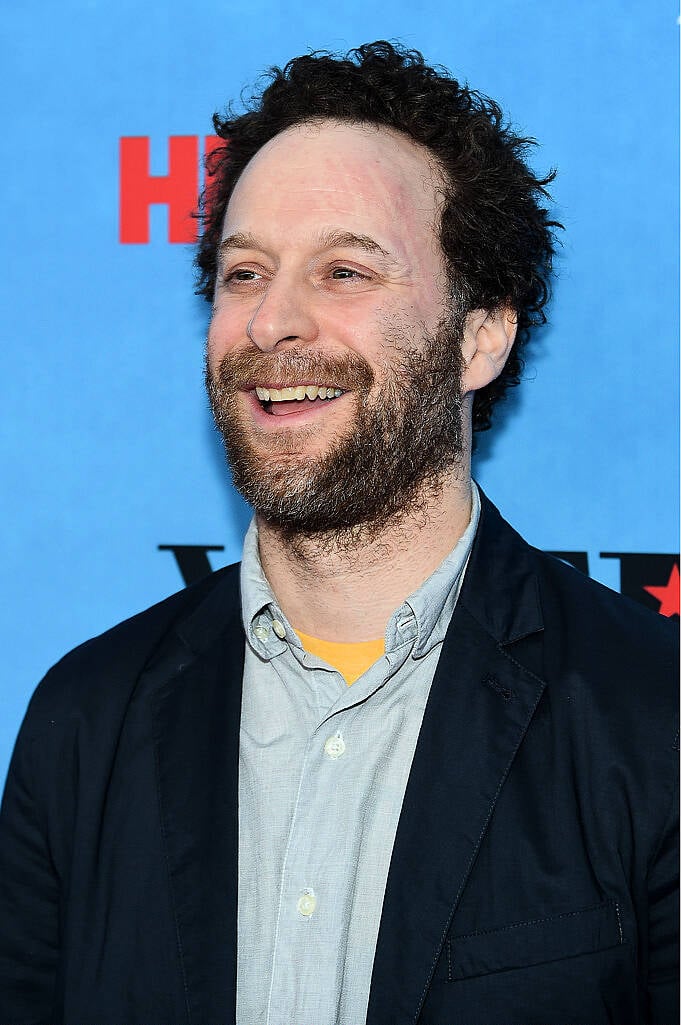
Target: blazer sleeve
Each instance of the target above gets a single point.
(29, 896)
(663, 925)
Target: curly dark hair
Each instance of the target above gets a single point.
(495, 233)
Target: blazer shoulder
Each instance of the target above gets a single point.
(575, 601)
(515, 590)
(610, 649)
(110, 663)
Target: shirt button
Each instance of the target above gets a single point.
(307, 902)
(279, 628)
(334, 746)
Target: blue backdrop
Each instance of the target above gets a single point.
(107, 447)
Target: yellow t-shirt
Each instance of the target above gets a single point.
(351, 660)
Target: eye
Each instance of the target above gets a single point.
(242, 280)
(242, 275)
(348, 274)
(344, 272)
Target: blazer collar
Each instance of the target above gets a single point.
(501, 589)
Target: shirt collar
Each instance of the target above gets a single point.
(423, 617)
(259, 607)
(432, 605)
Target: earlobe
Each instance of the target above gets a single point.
(487, 343)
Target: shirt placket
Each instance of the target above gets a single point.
(309, 920)
(312, 914)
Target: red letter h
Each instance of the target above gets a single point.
(178, 189)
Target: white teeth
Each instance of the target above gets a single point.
(297, 393)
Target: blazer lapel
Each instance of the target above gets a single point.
(196, 720)
(480, 705)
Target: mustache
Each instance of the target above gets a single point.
(244, 369)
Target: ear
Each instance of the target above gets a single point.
(487, 340)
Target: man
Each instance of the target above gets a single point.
(203, 821)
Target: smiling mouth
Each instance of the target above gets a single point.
(276, 401)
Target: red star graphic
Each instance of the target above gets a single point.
(668, 594)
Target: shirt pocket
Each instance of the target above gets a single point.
(532, 942)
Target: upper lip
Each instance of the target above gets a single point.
(319, 383)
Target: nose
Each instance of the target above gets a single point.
(283, 314)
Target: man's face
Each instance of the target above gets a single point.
(331, 280)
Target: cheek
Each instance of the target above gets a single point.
(224, 334)
(429, 300)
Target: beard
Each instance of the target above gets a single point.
(389, 465)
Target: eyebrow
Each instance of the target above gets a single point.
(326, 240)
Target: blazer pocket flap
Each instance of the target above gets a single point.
(537, 941)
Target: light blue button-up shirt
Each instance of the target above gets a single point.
(323, 768)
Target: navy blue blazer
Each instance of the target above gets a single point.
(533, 877)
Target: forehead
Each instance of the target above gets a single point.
(330, 175)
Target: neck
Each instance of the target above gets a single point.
(336, 587)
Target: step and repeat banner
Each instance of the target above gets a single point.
(115, 491)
